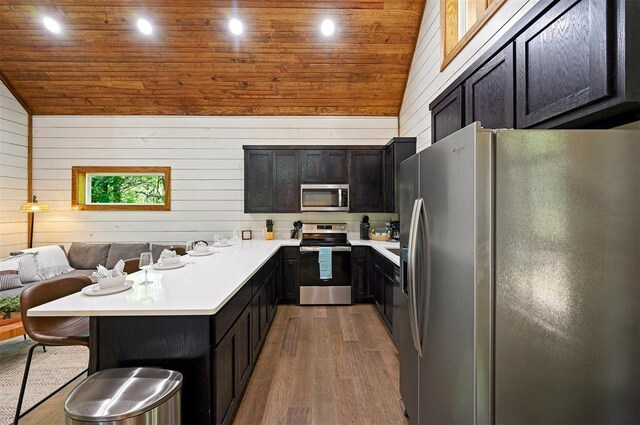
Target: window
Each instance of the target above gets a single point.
(460, 20)
(121, 188)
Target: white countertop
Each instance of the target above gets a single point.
(202, 288)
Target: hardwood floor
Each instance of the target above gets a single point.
(51, 411)
(324, 365)
(319, 365)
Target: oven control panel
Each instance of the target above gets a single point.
(325, 228)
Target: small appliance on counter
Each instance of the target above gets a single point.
(297, 225)
(269, 235)
(364, 227)
(394, 230)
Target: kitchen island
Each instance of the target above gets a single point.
(207, 320)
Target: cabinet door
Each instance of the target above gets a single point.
(243, 355)
(378, 288)
(388, 299)
(258, 181)
(562, 60)
(336, 169)
(366, 185)
(489, 92)
(448, 115)
(225, 378)
(286, 186)
(389, 170)
(290, 280)
(360, 277)
(312, 166)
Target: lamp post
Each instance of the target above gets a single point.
(33, 207)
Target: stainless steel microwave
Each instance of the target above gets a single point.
(324, 197)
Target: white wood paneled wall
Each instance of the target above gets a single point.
(206, 157)
(426, 81)
(13, 172)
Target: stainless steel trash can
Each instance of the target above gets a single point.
(126, 396)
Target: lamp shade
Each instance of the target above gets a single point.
(34, 206)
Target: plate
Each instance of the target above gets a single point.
(168, 267)
(221, 245)
(95, 291)
(199, 254)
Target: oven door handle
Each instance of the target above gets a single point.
(317, 248)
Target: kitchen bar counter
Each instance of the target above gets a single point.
(202, 288)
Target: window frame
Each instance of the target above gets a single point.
(79, 188)
(449, 26)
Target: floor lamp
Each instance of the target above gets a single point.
(33, 207)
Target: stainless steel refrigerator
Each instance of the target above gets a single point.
(520, 294)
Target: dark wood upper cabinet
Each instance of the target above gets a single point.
(563, 61)
(447, 116)
(286, 185)
(324, 166)
(490, 92)
(398, 149)
(565, 64)
(258, 181)
(312, 166)
(366, 180)
(336, 166)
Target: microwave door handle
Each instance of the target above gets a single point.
(339, 197)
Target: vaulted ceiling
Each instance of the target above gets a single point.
(193, 65)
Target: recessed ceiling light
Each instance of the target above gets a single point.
(235, 26)
(327, 27)
(51, 25)
(145, 26)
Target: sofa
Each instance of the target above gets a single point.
(85, 258)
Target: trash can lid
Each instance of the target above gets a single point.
(116, 394)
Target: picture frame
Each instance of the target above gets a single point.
(247, 235)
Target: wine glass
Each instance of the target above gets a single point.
(189, 248)
(217, 240)
(146, 259)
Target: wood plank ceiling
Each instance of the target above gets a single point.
(193, 65)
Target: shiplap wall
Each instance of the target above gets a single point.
(426, 81)
(206, 157)
(13, 172)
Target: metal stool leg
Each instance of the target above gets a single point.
(23, 387)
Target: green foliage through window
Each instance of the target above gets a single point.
(127, 189)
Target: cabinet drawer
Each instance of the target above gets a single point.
(223, 320)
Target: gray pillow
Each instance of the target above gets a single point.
(88, 255)
(157, 249)
(9, 279)
(124, 251)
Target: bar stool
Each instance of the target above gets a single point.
(53, 331)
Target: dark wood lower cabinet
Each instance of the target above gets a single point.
(360, 285)
(216, 354)
(290, 282)
(373, 280)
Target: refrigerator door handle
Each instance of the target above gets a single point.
(421, 329)
(411, 284)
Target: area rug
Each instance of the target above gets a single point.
(49, 371)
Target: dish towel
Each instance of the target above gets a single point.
(324, 261)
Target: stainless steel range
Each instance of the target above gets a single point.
(314, 289)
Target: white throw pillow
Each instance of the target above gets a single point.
(27, 267)
(51, 261)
